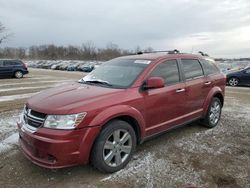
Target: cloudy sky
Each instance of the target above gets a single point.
(218, 27)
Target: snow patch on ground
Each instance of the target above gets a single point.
(149, 169)
(15, 97)
(8, 143)
(36, 82)
(22, 88)
(8, 130)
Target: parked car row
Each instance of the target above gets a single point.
(70, 65)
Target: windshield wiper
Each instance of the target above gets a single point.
(103, 82)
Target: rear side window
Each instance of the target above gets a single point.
(209, 67)
(169, 71)
(248, 71)
(192, 68)
(11, 63)
(1, 63)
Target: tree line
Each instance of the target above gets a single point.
(87, 51)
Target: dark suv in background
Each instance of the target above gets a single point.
(15, 68)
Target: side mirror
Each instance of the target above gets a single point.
(154, 82)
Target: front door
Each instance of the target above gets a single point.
(164, 106)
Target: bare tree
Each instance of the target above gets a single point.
(3, 35)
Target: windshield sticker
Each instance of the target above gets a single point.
(142, 61)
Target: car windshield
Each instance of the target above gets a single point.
(117, 73)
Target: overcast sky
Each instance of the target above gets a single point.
(219, 27)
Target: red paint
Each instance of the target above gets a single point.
(154, 110)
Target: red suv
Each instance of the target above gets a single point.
(102, 117)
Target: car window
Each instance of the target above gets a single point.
(169, 71)
(209, 67)
(248, 71)
(11, 63)
(192, 68)
(1, 63)
(120, 73)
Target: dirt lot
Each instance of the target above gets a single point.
(191, 155)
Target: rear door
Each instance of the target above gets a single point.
(197, 87)
(8, 67)
(165, 106)
(245, 78)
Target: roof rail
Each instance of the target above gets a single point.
(202, 53)
(175, 51)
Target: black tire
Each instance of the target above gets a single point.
(233, 81)
(18, 74)
(208, 120)
(99, 153)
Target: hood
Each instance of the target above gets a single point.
(66, 99)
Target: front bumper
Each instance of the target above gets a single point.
(53, 149)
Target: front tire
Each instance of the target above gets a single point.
(213, 115)
(18, 74)
(114, 147)
(233, 81)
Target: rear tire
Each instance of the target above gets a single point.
(233, 81)
(213, 115)
(18, 74)
(114, 147)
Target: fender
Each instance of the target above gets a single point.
(121, 110)
(212, 92)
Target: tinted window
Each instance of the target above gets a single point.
(248, 71)
(192, 68)
(11, 63)
(209, 67)
(1, 63)
(168, 71)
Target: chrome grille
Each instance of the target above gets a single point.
(33, 118)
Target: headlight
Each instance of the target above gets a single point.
(64, 121)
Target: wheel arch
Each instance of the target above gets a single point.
(233, 76)
(124, 113)
(220, 97)
(131, 121)
(17, 70)
(215, 92)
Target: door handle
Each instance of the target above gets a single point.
(208, 83)
(180, 90)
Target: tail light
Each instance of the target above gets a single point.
(25, 65)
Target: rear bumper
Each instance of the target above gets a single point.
(26, 72)
(57, 148)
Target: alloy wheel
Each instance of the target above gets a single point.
(18, 74)
(117, 148)
(215, 111)
(233, 82)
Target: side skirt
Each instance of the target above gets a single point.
(168, 130)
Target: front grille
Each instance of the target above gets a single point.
(34, 118)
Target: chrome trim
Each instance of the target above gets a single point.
(29, 114)
(180, 90)
(27, 127)
(207, 83)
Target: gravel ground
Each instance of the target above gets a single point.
(190, 155)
